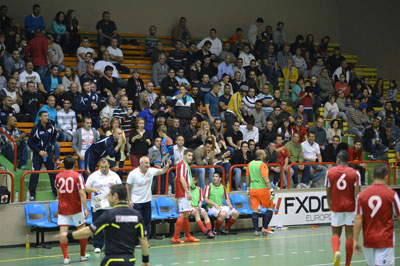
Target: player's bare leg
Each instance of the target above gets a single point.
(220, 220)
(64, 245)
(266, 220)
(336, 232)
(196, 215)
(254, 219)
(349, 244)
(208, 223)
(83, 244)
(232, 219)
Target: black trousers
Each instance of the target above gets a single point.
(118, 260)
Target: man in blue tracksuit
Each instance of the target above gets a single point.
(42, 140)
(109, 146)
(88, 104)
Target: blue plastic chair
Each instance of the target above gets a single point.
(154, 213)
(166, 202)
(238, 199)
(53, 206)
(37, 209)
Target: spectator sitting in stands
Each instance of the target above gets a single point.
(254, 32)
(30, 75)
(296, 156)
(204, 51)
(135, 86)
(300, 129)
(72, 94)
(284, 114)
(391, 94)
(52, 80)
(237, 82)
(192, 136)
(334, 60)
(253, 81)
(108, 85)
(317, 68)
(13, 62)
(246, 56)
(272, 157)
(211, 101)
(191, 54)
(218, 129)
(89, 75)
(279, 35)
(56, 55)
(312, 153)
(343, 69)
(233, 137)
(250, 99)
(108, 110)
(82, 50)
(160, 70)
(225, 67)
(300, 113)
(267, 135)
(116, 56)
(241, 156)
(290, 76)
(175, 130)
(12, 91)
(82, 65)
(149, 115)
(204, 86)
(199, 102)
(151, 40)
(267, 100)
(226, 50)
(88, 104)
(224, 99)
(208, 68)
(180, 77)
(331, 109)
(342, 85)
(283, 56)
(270, 66)
(355, 154)
(104, 127)
(154, 153)
(181, 32)
(125, 114)
(150, 94)
(253, 67)
(285, 131)
(6, 110)
(249, 131)
(67, 121)
(325, 85)
(239, 68)
(334, 130)
(204, 155)
(169, 85)
(155, 55)
(71, 77)
(18, 136)
(106, 30)
(34, 21)
(31, 101)
(216, 44)
(386, 109)
(300, 64)
(332, 149)
(177, 57)
(58, 30)
(236, 41)
(376, 139)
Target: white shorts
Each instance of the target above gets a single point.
(339, 219)
(78, 218)
(215, 212)
(184, 205)
(379, 256)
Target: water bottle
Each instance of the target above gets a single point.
(244, 188)
(27, 195)
(16, 196)
(44, 159)
(28, 243)
(169, 190)
(228, 187)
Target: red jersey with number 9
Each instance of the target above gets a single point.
(377, 205)
(68, 184)
(342, 181)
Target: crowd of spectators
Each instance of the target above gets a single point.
(214, 81)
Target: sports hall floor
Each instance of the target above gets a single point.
(295, 246)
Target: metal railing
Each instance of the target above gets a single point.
(12, 184)
(304, 163)
(15, 148)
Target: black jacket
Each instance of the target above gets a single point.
(369, 135)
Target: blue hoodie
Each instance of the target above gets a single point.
(52, 114)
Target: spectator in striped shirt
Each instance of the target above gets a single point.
(125, 114)
(66, 121)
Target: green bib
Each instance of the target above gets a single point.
(256, 180)
(216, 194)
(195, 196)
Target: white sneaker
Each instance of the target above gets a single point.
(85, 258)
(299, 186)
(67, 261)
(97, 250)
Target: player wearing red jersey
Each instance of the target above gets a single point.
(375, 209)
(342, 186)
(71, 197)
(183, 182)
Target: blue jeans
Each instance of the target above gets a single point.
(272, 75)
(202, 172)
(237, 174)
(145, 211)
(321, 173)
(304, 178)
(22, 152)
(63, 136)
(42, 71)
(227, 167)
(377, 149)
(357, 130)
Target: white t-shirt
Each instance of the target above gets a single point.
(101, 65)
(13, 96)
(83, 50)
(25, 77)
(103, 183)
(310, 152)
(141, 184)
(87, 140)
(178, 155)
(115, 52)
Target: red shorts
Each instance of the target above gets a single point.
(260, 197)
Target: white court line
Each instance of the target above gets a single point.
(221, 259)
(237, 258)
(206, 260)
(295, 252)
(251, 257)
(356, 261)
(307, 251)
(266, 255)
(279, 254)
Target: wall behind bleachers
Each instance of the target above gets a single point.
(362, 27)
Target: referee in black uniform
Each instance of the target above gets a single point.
(123, 227)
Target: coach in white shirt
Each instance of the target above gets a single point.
(312, 153)
(99, 183)
(138, 186)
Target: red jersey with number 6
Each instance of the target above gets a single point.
(68, 184)
(377, 205)
(342, 181)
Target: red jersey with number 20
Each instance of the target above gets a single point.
(68, 184)
(182, 169)
(342, 181)
(376, 204)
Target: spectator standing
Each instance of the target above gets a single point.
(149, 115)
(34, 21)
(279, 35)
(38, 50)
(254, 31)
(125, 114)
(67, 122)
(151, 39)
(88, 104)
(181, 32)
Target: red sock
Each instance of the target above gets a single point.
(64, 249)
(208, 225)
(186, 226)
(335, 243)
(349, 250)
(217, 224)
(178, 226)
(230, 222)
(83, 243)
(201, 225)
